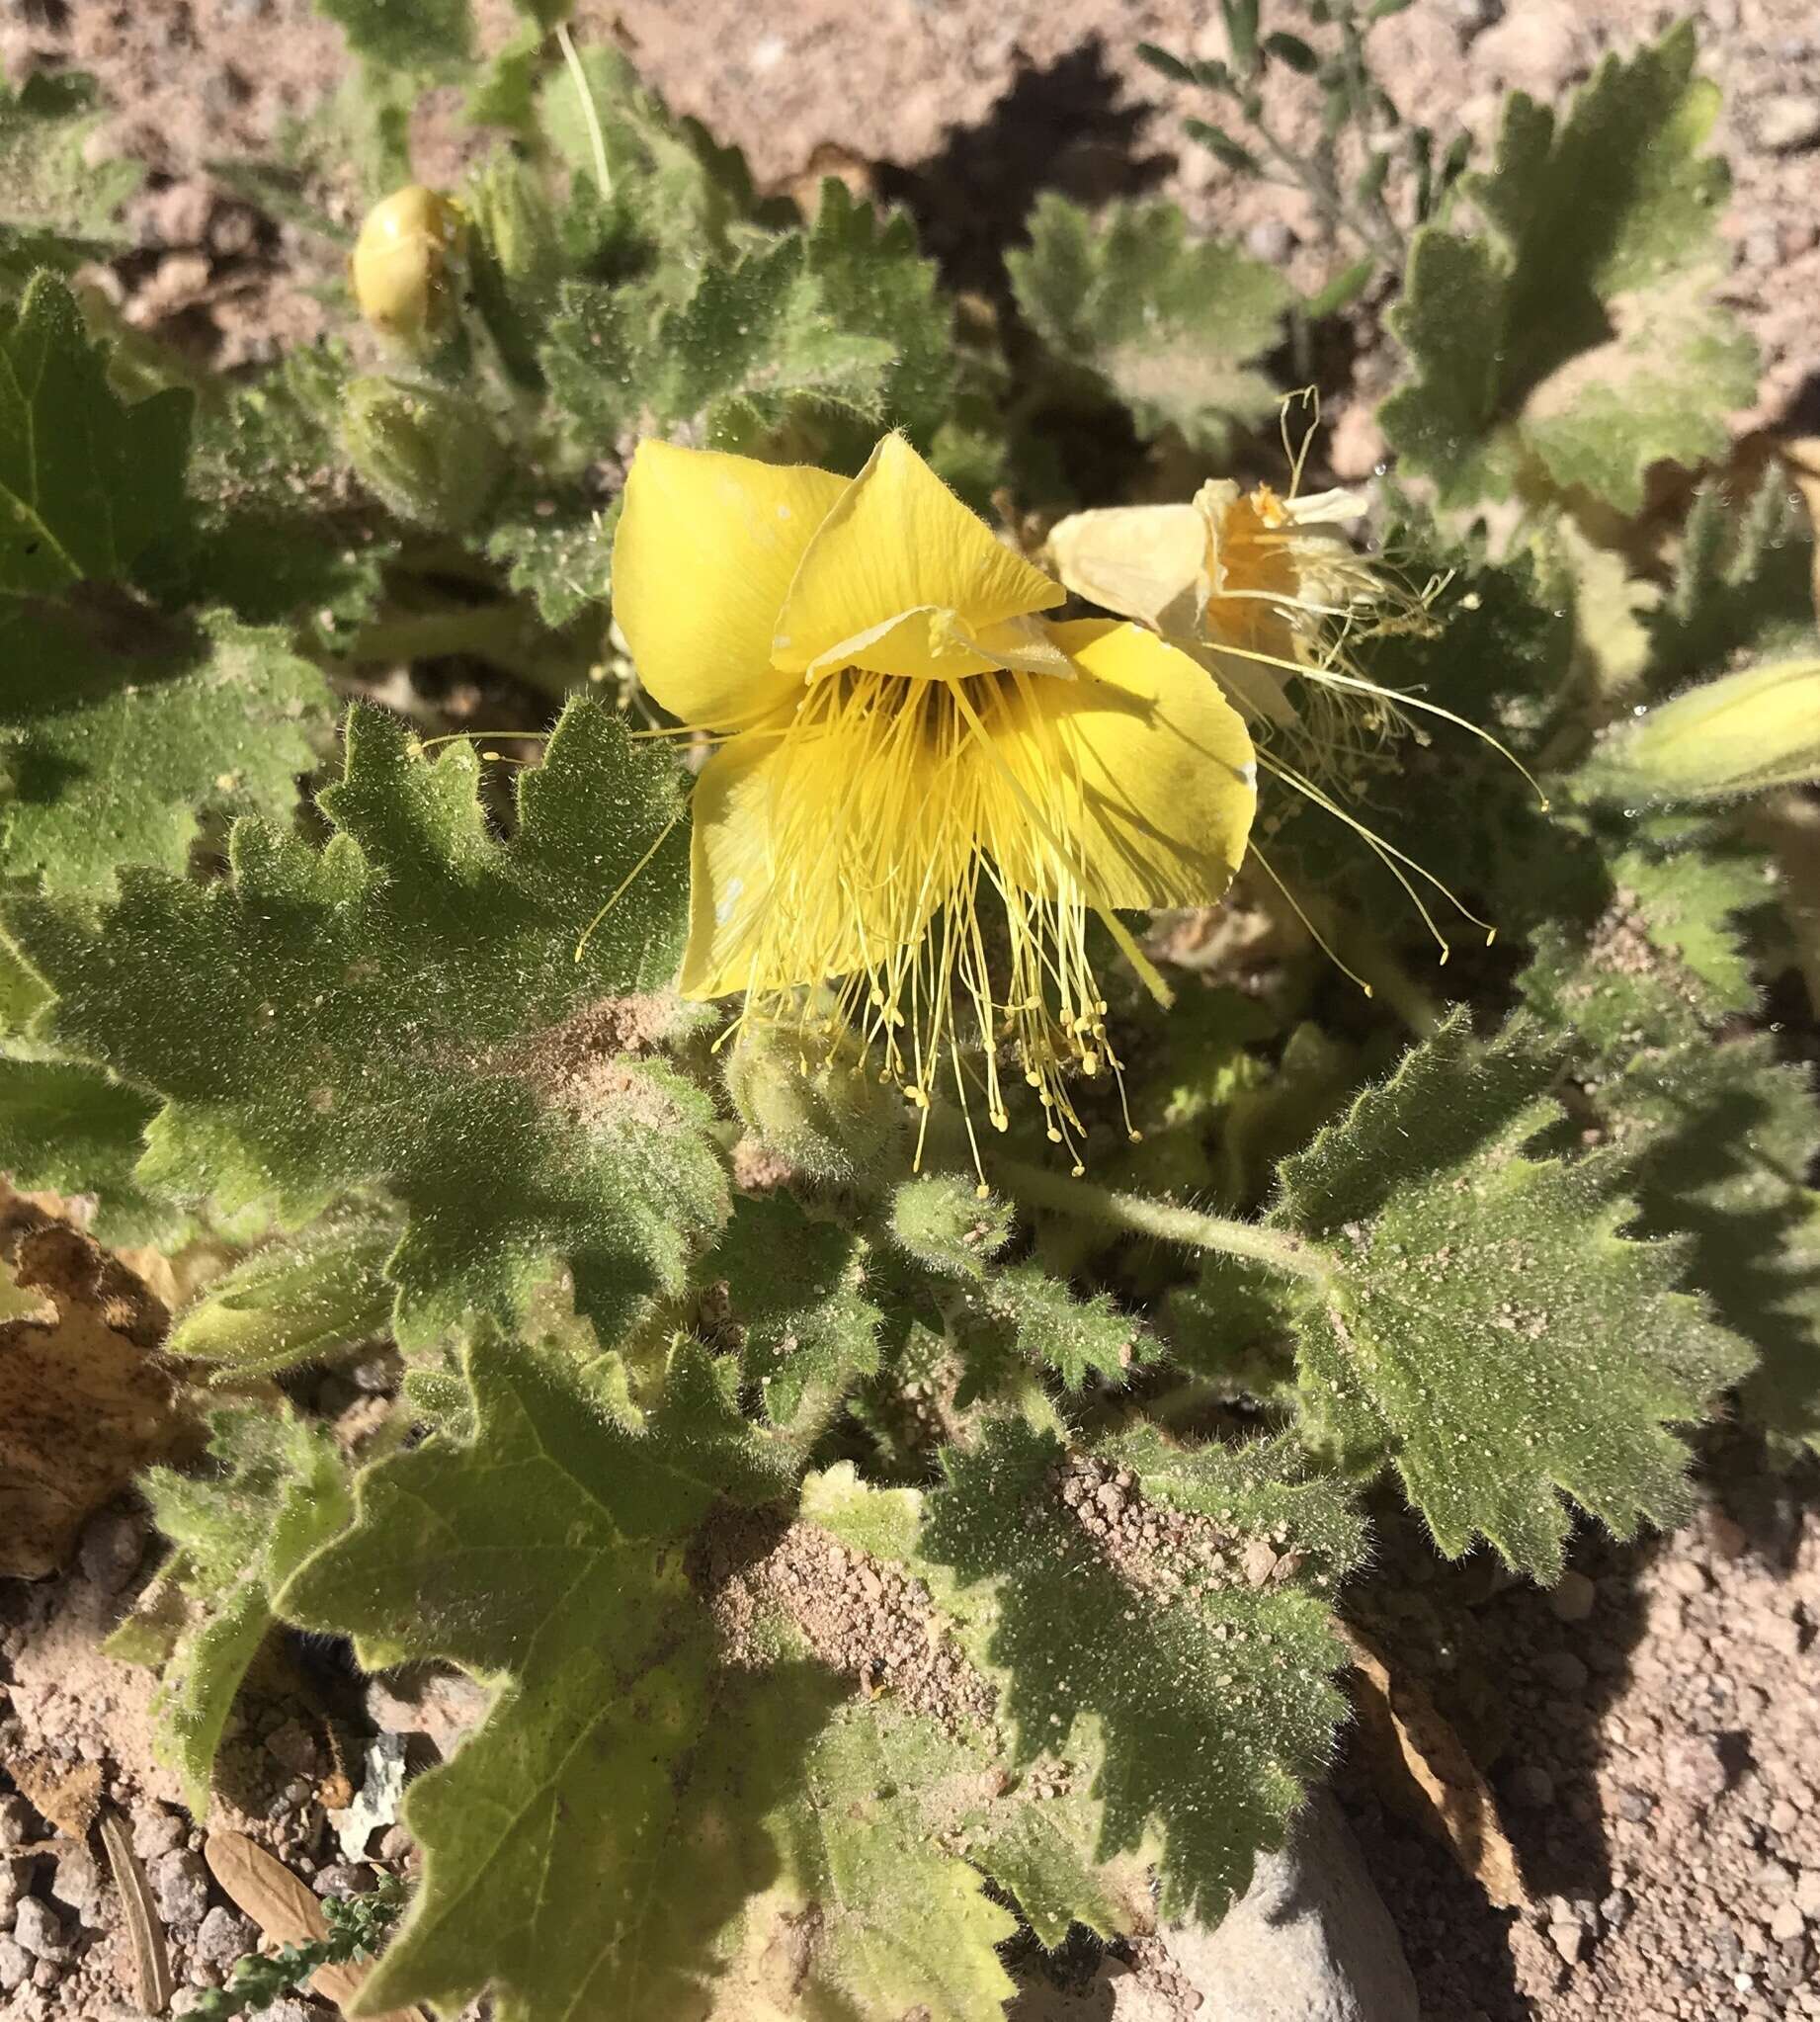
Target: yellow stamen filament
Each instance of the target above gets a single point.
(896, 796)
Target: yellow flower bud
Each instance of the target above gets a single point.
(403, 262)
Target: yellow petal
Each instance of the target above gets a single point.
(1135, 784)
(701, 563)
(901, 546)
(1147, 563)
(815, 853)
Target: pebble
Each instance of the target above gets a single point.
(1572, 1600)
(1533, 1787)
(157, 1830)
(1570, 1940)
(1564, 1670)
(1786, 121)
(15, 1965)
(1272, 242)
(112, 1546)
(37, 1929)
(225, 1936)
(14, 1881)
(344, 1877)
(180, 1881)
(1807, 1891)
(14, 1821)
(81, 1886)
(1787, 1923)
(1693, 1766)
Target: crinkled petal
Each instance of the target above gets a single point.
(1135, 784)
(899, 545)
(1148, 563)
(705, 551)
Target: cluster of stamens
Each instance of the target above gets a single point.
(926, 854)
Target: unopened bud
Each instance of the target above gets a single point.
(828, 1117)
(942, 1222)
(428, 454)
(405, 263)
(1739, 734)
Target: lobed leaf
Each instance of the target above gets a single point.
(406, 1010)
(1576, 333)
(1172, 328)
(57, 208)
(792, 1289)
(1486, 1325)
(1716, 1141)
(1160, 1623)
(75, 1130)
(85, 481)
(120, 731)
(281, 1493)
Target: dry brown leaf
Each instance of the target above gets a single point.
(827, 158)
(85, 1399)
(1424, 1771)
(68, 1798)
(286, 1911)
(152, 1983)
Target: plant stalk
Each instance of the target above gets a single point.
(1138, 1215)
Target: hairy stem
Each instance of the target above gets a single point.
(1140, 1216)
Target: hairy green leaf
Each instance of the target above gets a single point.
(1079, 1338)
(1154, 1614)
(75, 1130)
(239, 1535)
(562, 558)
(119, 730)
(1717, 1140)
(750, 346)
(85, 481)
(1743, 584)
(606, 1817)
(1661, 960)
(405, 35)
(293, 1301)
(1483, 1322)
(1171, 327)
(405, 1010)
(1577, 334)
(57, 208)
(792, 1289)
(871, 1914)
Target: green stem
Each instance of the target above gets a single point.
(1138, 1215)
(499, 633)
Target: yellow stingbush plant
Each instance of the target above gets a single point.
(924, 787)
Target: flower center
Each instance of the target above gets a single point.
(925, 854)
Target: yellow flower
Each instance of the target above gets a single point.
(1267, 594)
(923, 787)
(1252, 584)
